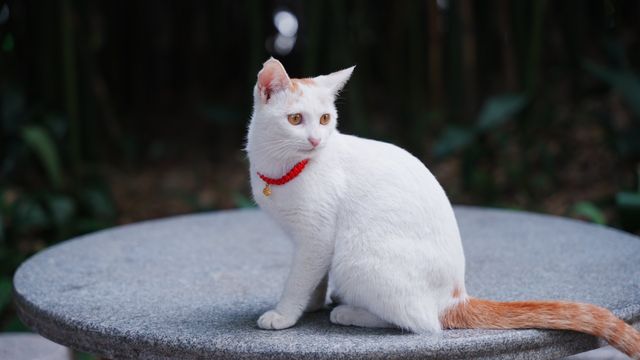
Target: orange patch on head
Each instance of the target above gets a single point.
(294, 86)
(295, 83)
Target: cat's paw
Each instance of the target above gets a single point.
(273, 320)
(343, 315)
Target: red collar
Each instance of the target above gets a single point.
(292, 174)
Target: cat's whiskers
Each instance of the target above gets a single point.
(276, 157)
(281, 149)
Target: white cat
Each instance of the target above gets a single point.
(372, 219)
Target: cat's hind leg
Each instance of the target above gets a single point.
(353, 316)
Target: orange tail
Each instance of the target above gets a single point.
(586, 318)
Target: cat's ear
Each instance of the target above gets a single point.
(336, 80)
(272, 79)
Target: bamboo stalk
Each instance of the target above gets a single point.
(454, 80)
(469, 60)
(533, 63)
(508, 51)
(256, 40)
(436, 82)
(311, 27)
(70, 79)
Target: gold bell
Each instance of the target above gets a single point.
(267, 190)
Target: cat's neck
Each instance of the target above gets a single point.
(273, 167)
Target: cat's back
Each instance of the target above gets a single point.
(387, 183)
(372, 161)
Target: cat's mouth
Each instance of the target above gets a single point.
(311, 150)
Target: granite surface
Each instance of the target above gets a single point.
(193, 286)
(26, 346)
(603, 353)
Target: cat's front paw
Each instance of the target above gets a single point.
(273, 320)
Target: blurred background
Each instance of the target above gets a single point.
(118, 111)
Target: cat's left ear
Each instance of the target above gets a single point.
(336, 80)
(272, 79)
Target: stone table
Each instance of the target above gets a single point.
(193, 286)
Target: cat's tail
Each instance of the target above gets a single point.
(486, 314)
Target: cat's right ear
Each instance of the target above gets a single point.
(272, 79)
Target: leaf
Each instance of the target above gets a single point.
(8, 43)
(97, 202)
(83, 356)
(11, 110)
(57, 125)
(242, 201)
(5, 292)
(61, 208)
(589, 211)
(627, 141)
(2, 235)
(624, 81)
(28, 215)
(39, 141)
(4, 209)
(629, 210)
(87, 225)
(498, 109)
(453, 139)
(628, 200)
(15, 325)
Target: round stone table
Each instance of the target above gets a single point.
(193, 286)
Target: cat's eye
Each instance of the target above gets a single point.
(324, 119)
(295, 119)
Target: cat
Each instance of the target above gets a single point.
(372, 221)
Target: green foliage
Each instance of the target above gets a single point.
(27, 215)
(39, 205)
(589, 211)
(7, 43)
(453, 139)
(628, 204)
(38, 140)
(628, 200)
(5, 293)
(242, 201)
(2, 232)
(62, 208)
(84, 356)
(15, 325)
(623, 80)
(499, 109)
(627, 84)
(495, 112)
(627, 140)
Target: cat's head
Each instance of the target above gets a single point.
(293, 117)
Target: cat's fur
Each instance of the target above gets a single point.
(372, 219)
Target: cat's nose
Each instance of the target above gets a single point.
(313, 141)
